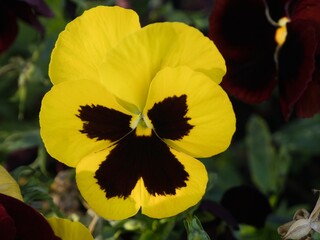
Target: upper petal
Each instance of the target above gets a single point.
(130, 67)
(195, 117)
(82, 47)
(80, 117)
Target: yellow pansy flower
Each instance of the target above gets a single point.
(131, 108)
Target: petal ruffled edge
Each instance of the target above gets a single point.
(81, 48)
(209, 110)
(134, 62)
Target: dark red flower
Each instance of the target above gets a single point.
(244, 31)
(26, 10)
(20, 221)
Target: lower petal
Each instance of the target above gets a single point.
(140, 171)
(162, 206)
(114, 208)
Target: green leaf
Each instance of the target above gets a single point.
(261, 154)
(301, 136)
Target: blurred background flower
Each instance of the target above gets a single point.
(26, 10)
(246, 32)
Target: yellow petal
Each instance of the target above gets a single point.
(68, 230)
(115, 208)
(81, 48)
(134, 62)
(8, 185)
(61, 125)
(208, 113)
(162, 206)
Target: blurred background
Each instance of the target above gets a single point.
(267, 174)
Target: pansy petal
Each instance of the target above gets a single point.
(82, 47)
(190, 112)
(29, 223)
(8, 28)
(110, 208)
(299, 62)
(154, 47)
(68, 230)
(80, 117)
(161, 206)
(309, 103)
(245, 38)
(7, 226)
(29, 11)
(40, 7)
(8, 185)
(296, 63)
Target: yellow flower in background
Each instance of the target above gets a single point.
(131, 108)
(8, 185)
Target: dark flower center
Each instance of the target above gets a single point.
(139, 156)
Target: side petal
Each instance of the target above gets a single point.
(136, 60)
(78, 118)
(207, 121)
(8, 185)
(82, 47)
(162, 206)
(114, 208)
(68, 230)
(245, 38)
